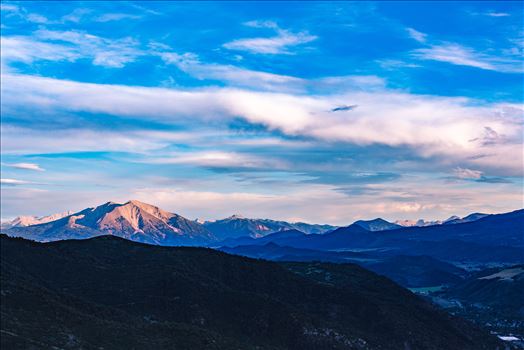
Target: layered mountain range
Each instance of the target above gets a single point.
(413, 256)
(147, 223)
(493, 238)
(440, 257)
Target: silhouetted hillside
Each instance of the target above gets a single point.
(116, 294)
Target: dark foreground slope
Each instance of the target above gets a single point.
(110, 293)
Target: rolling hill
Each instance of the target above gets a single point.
(111, 293)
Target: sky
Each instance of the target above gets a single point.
(323, 112)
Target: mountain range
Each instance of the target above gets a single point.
(451, 220)
(237, 226)
(440, 258)
(146, 223)
(132, 220)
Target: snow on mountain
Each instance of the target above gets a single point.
(469, 218)
(133, 220)
(23, 221)
(238, 226)
(450, 221)
(418, 223)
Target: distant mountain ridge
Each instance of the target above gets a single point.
(141, 222)
(377, 224)
(132, 220)
(469, 218)
(493, 238)
(23, 221)
(451, 220)
(238, 226)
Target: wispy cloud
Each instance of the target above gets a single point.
(76, 15)
(190, 64)
(27, 50)
(416, 35)
(105, 52)
(16, 140)
(478, 176)
(464, 173)
(279, 44)
(15, 182)
(9, 7)
(220, 159)
(25, 166)
(36, 18)
(464, 56)
(70, 46)
(108, 17)
(259, 80)
(497, 14)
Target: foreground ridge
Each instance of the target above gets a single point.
(93, 292)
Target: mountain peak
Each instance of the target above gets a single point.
(236, 216)
(136, 201)
(133, 220)
(377, 224)
(451, 218)
(139, 204)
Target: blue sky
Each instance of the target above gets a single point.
(323, 112)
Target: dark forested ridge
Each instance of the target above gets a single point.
(110, 293)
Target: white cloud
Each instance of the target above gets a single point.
(104, 52)
(190, 64)
(219, 159)
(279, 44)
(77, 15)
(36, 18)
(261, 24)
(467, 174)
(23, 49)
(70, 46)
(25, 166)
(464, 56)
(9, 8)
(242, 77)
(109, 17)
(431, 126)
(416, 35)
(16, 140)
(14, 182)
(217, 197)
(497, 14)
(391, 64)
